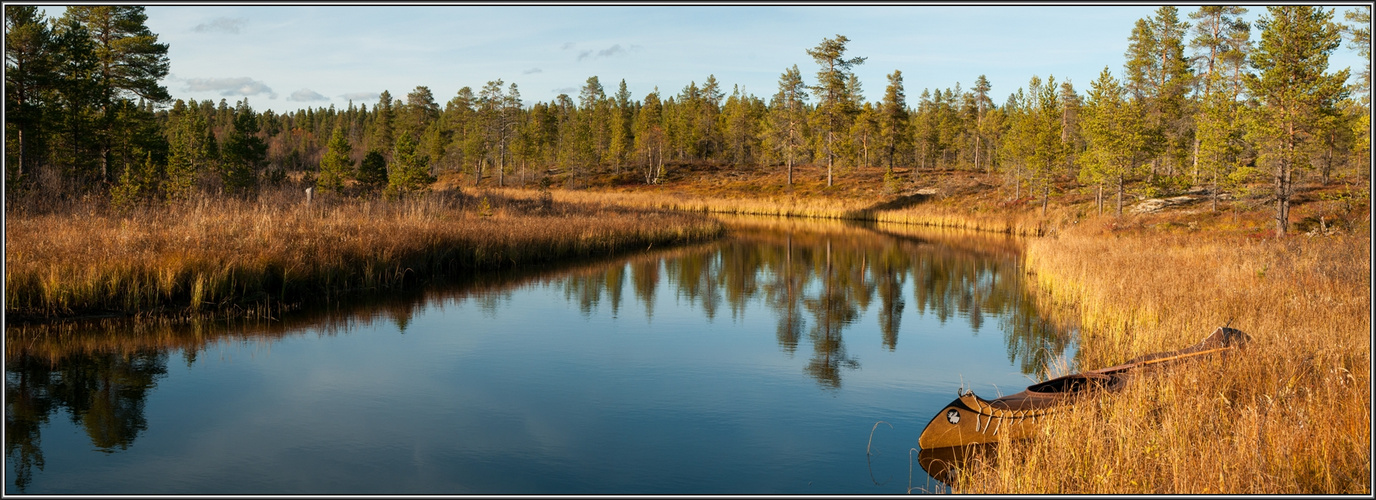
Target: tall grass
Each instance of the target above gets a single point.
(895, 209)
(1289, 414)
(237, 256)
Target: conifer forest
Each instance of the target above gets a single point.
(1204, 99)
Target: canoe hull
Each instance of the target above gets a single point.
(973, 420)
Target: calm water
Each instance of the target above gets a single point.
(756, 364)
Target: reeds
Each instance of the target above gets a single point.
(1289, 414)
(230, 255)
(834, 208)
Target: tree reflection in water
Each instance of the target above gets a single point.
(817, 279)
(103, 392)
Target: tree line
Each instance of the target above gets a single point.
(1200, 103)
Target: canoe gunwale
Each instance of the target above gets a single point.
(1044, 398)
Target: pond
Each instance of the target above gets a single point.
(788, 357)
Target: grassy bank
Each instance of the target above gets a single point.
(1290, 414)
(246, 258)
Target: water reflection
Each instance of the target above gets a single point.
(816, 281)
(104, 393)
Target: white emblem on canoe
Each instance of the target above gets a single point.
(953, 416)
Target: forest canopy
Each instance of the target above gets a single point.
(1201, 100)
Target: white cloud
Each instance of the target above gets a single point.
(614, 50)
(611, 51)
(361, 96)
(305, 95)
(531, 71)
(243, 85)
(231, 25)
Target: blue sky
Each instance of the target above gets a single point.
(291, 57)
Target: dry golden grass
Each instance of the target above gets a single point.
(228, 255)
(1289, 414)
(898, 209)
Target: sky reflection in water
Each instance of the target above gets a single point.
(757, 364)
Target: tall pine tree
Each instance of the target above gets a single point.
(833, 103)
(1294, 91)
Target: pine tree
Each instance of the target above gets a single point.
(410, 171)
(243, 153)
(787, 116)
(192, 151)
(893, 120)
(1158, 74)
(1294, 92)
(130, 63)
(741, 119)
(491, 104)
(138, 183)
(1360, 40)
(982, 103)
(1114, 131)
(1071, 138)
(1216, 30)
(706, 113)
(832, 102)
(863, 132)
(650, 140)
(335, 166)
(622, 123)
(75, 100)
(28, 77)
(1049, 149)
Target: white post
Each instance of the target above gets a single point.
(309, 192)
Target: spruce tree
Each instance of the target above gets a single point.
(372, 171)
(384, 118)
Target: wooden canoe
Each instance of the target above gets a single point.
(971, 419)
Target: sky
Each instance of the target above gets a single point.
(285, 57)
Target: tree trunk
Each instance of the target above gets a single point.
(20, 172)
(1046, 194)
(1195, 166)
(1017, 187)
(828, 159)
(1099, 198)
(1213, 193)
(866, 145)
(790, 168)
(1120, 196)
(1283, 183)
(977, 147)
